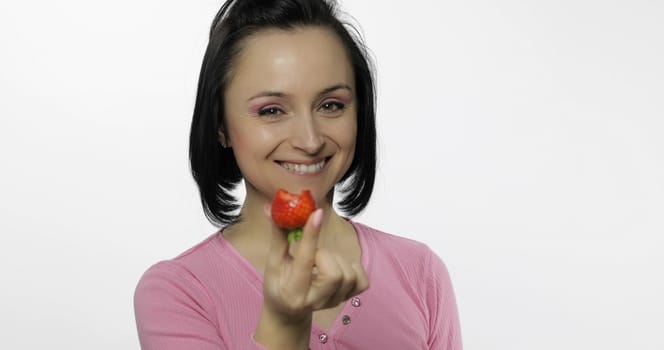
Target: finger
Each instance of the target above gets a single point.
(292, 247)
(304, 258)
(361, 282)
(327, 281)
(347, 285)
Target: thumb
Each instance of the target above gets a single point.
(306, 248)
(304, 257)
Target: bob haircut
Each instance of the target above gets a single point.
(214, 167)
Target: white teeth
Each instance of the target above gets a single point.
(304, 168)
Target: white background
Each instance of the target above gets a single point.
(522, 140)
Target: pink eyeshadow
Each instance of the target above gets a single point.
(254, 108)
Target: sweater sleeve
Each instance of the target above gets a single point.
(174, 312)
(444, 329)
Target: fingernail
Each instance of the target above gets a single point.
(318, 217)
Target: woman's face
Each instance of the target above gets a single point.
(290, 111)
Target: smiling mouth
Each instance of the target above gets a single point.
(304, 169)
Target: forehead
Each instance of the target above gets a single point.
(299, 58)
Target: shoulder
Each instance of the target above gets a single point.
(394, 246)
(410, 260)
(405, 266)
(181, 269)
(173, 300)
(183, 273)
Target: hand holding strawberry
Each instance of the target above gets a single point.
(310, 278)
(291, 211)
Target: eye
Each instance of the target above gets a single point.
(270, 111)
(332, 106)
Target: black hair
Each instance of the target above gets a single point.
(214, 167)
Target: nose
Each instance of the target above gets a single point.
(306, 135)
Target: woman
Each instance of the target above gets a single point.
(286, 100)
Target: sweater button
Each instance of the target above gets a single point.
(346, 320)
(322, 338)
(355, 302)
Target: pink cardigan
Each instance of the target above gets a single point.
(210, 297)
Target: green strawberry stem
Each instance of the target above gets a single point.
(294, 235)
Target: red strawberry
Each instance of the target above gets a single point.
(290, 211)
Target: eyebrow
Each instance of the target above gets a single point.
(281, 94)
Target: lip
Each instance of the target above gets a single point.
(282, 165)
(304, 162)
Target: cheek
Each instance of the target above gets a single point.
(238, 141)
(350, 143)
(347, 140)
(249, 140)
(349, 135)
(240, 135)
(344, 134)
